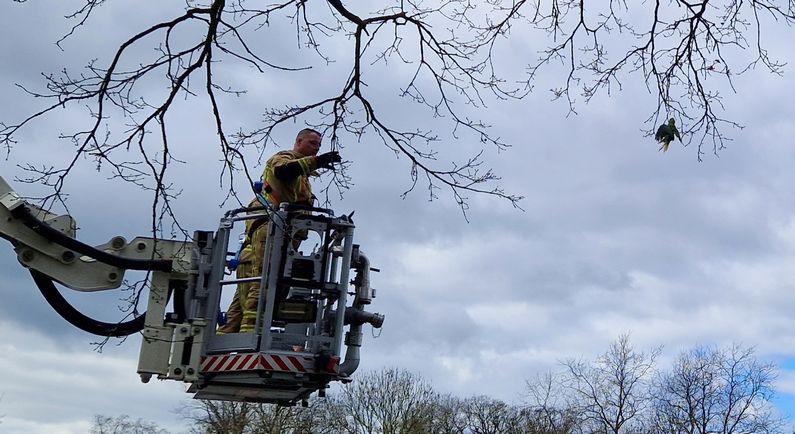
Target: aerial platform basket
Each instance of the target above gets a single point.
(295, 348)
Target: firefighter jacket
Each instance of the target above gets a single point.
(297, 190)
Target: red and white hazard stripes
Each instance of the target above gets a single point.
(232, 362)
(257, 361)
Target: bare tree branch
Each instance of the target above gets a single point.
(686, 53)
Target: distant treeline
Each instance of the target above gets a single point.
(705, 390)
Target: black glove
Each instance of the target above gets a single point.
(327, 160)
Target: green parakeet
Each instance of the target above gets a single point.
(666, 134)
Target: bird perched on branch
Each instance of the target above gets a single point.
(666, 134)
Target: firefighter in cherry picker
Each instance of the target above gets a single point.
(286, 179)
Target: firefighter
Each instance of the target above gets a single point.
(286, 179)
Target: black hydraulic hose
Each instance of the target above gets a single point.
(300, 207)
(77, 319)
(179, 302)
(28, 219)
(237, 211)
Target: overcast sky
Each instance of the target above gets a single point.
(615, 237)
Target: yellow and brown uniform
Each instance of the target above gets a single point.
(295, 190)
(280, 185)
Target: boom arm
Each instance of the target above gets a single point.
(45, 242)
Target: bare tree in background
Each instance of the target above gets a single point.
(221, 417)
(448, 415)
(491, 416)
(124, 425)
(684, 52)
(710, 390)
(389, 401)
(612, 394)
(273, 419)
(211, 417)
(550, 407)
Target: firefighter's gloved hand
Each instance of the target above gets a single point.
(327, 160)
